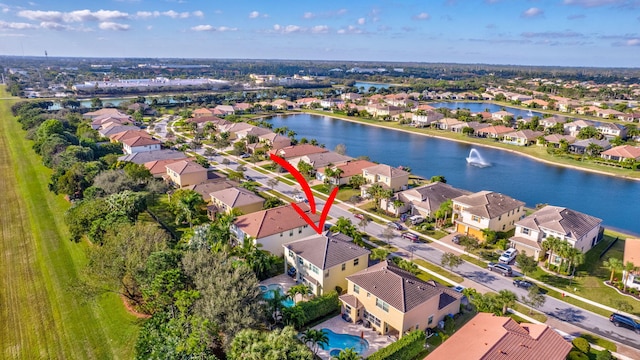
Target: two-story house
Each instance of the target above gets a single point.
(347, 171)
(389, 177)
(426, 199)
(580, 230)
(274, 227)
(238, 199)
(632, 255)
(184, 173)
(323, 262)
(486, 210)
(393, 301)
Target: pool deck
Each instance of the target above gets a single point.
(338, 325)
(283, 280)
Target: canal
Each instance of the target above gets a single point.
(612, 199)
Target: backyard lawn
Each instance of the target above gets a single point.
(42, 315)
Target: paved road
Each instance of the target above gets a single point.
(563, 312)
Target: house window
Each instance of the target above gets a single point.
(430, 320)
(291, 254)
(315, 269)
(300, 230)
(344, 266)
(300, 261)
(525, 231)
(356, 261)
(504, 226)
(291, 233)
(475, 218)
(356, 289)
(281, 234)
(382, 305)
(499, 217)
(368, 294)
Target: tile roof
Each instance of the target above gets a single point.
(488, 204)
(325, 251)
(432, 195)
(146, 156)
(234, 197)
(632, 251)
(490, 337)
(525, 134)
(140, 141)
(273, 221)
(128, 134)
(319, 160)
(401, 289)
(294, 151)
(624, 151)
(205, 189)
(103, 111)
(353, 167)
(157, 167)
(386, 170)
(500, 129)
(116, 128)
(555, 138)
(185, 167)
(565, 221)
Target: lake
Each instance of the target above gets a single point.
(606, 197)
(367, 85)
(475, 107)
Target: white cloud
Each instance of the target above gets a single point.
(203, 28)
(73, 16)
(532, 12)
(198, 13)
(147, 14)
(633, 42)
(254, 15)
(288, 29)
(422, 16)
(175, 15)
(594, 3)
(350, 30)
(107, 25)
(16, 25)
(226, 28)
(50, 25)
(309, 15)
(150, 27)
(320, 29)
(361, 21)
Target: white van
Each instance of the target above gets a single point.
(508, 256)
(416, 219)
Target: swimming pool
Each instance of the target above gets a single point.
(343, 341)
(267, 293)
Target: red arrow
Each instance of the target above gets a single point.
(307, 190)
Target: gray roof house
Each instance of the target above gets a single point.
(426, 199)
(146, 156)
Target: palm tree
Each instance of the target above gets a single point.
(187, 205)
(575, 258)
(356, 181)
(387, 195)
(301, 289)
(316, 338)
(551, 244)
(219, 233)
(375, 191)
(628, 268)
(506, 298)
(274, 305)
(362, 224)
(347, 354)
(613, 265)
(379, 254)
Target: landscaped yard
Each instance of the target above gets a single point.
(43, 313)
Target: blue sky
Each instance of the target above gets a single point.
(604, 33)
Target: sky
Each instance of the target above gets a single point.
(601, 33)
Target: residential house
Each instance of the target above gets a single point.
(104, 112)
(383, 110)
(212, 185)
(252, 131)
(144, 157)
(283, 104)
(201, 120)
(307, 102)
(102, 121)
(140, 144)
(426, 118)
(633, 117)
(393, 301)
(238, 199)
(127, 134)
(143, 108)
(573, 128)
(157, 168)
(488, 336)
(612, 130)
(608, 113)
(115, 128)
(225, 109)
(274, 227)
(588, 110)
(329, 103)
(622, 153)
(580, 230)
(555, 139)
(501, 115)
(524, 137)
(552, 121)
(580, 146)
(536, 103)
(184, 173)
(632, 255)
(275, 141)
(351, 96)
(459, 128)
(486, 210)
(425, 200)
(202, 112)
(234, 128)
(494, 132)
(349, 169)
(323, 262)
(390, 177)
(296, 151)
(320, 160)
(447, 123)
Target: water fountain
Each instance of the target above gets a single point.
(476, 159)
(530, 113)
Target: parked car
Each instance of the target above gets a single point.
(458, 288)
(456, 239)
(394, 225)
(524, 284)
(625, 321)
(505, 270)
(411, 236)
(244, 156)
(299, 198)
(416, 219)
(508, 256)
(359, 216)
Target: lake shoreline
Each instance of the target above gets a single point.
(470, 143)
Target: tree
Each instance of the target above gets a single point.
(550, 245)
(451, 260)
(469, 243)
(277, 344)
(388, 234)
(305, 168)
(341, 149)
(231, 299)
(301, 289)
(272, 182)
(534, 298)
(315, 338)
(506, 299)
(628, 268)
(526, 263)
(348, 354)
(439, 178)
(379, 254)
(272, 202)
(113, 181)
(613, 265)
(356, 181)
(219, 233)
(362, 224)
(186, 205)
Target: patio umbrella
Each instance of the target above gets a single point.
(362, 335)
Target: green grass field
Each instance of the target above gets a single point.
(41, 316)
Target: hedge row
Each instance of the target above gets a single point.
(314, 309)
(408, 347)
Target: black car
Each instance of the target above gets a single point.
(524, 284)
(625, 321)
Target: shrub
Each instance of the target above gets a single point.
(581, 344)
(408, 347)
(604, 355)
(577, 355)
(319, 307)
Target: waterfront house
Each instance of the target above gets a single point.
(383, 110)
(580, 230)
(608, 113)
(307, 102)
(348, 170)
(580, 146)
(295, 151)
(622, 153)
(390, 177)
(632, 255)
(536, 103)
(486, 210)
(275, 141)
(552, 121)
(494, 132)
(330, 103)
(447, 123)
(323, 262)
(236, 199)
(140, 144)
(201, 120)
(573, 128)
(612, 130)
(351, 96)
(425, 118)
(225, 109)
(524, 137)
(488, 336)
(202, 112)
(555, 139)
(184, 173)
(501, 115)
(274, 227)
(459, 128)
(393, 301)
(425, 200)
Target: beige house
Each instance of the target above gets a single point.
(621, 153)
(522, 137)
(632, 255)
(324, 261)
(274, 227)
(349, 169)
(392, 178)
(426, 199)
(580, 230)
(184, 173)
(486, 210)
(234, 198)
(393, 301)
(488, 336)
